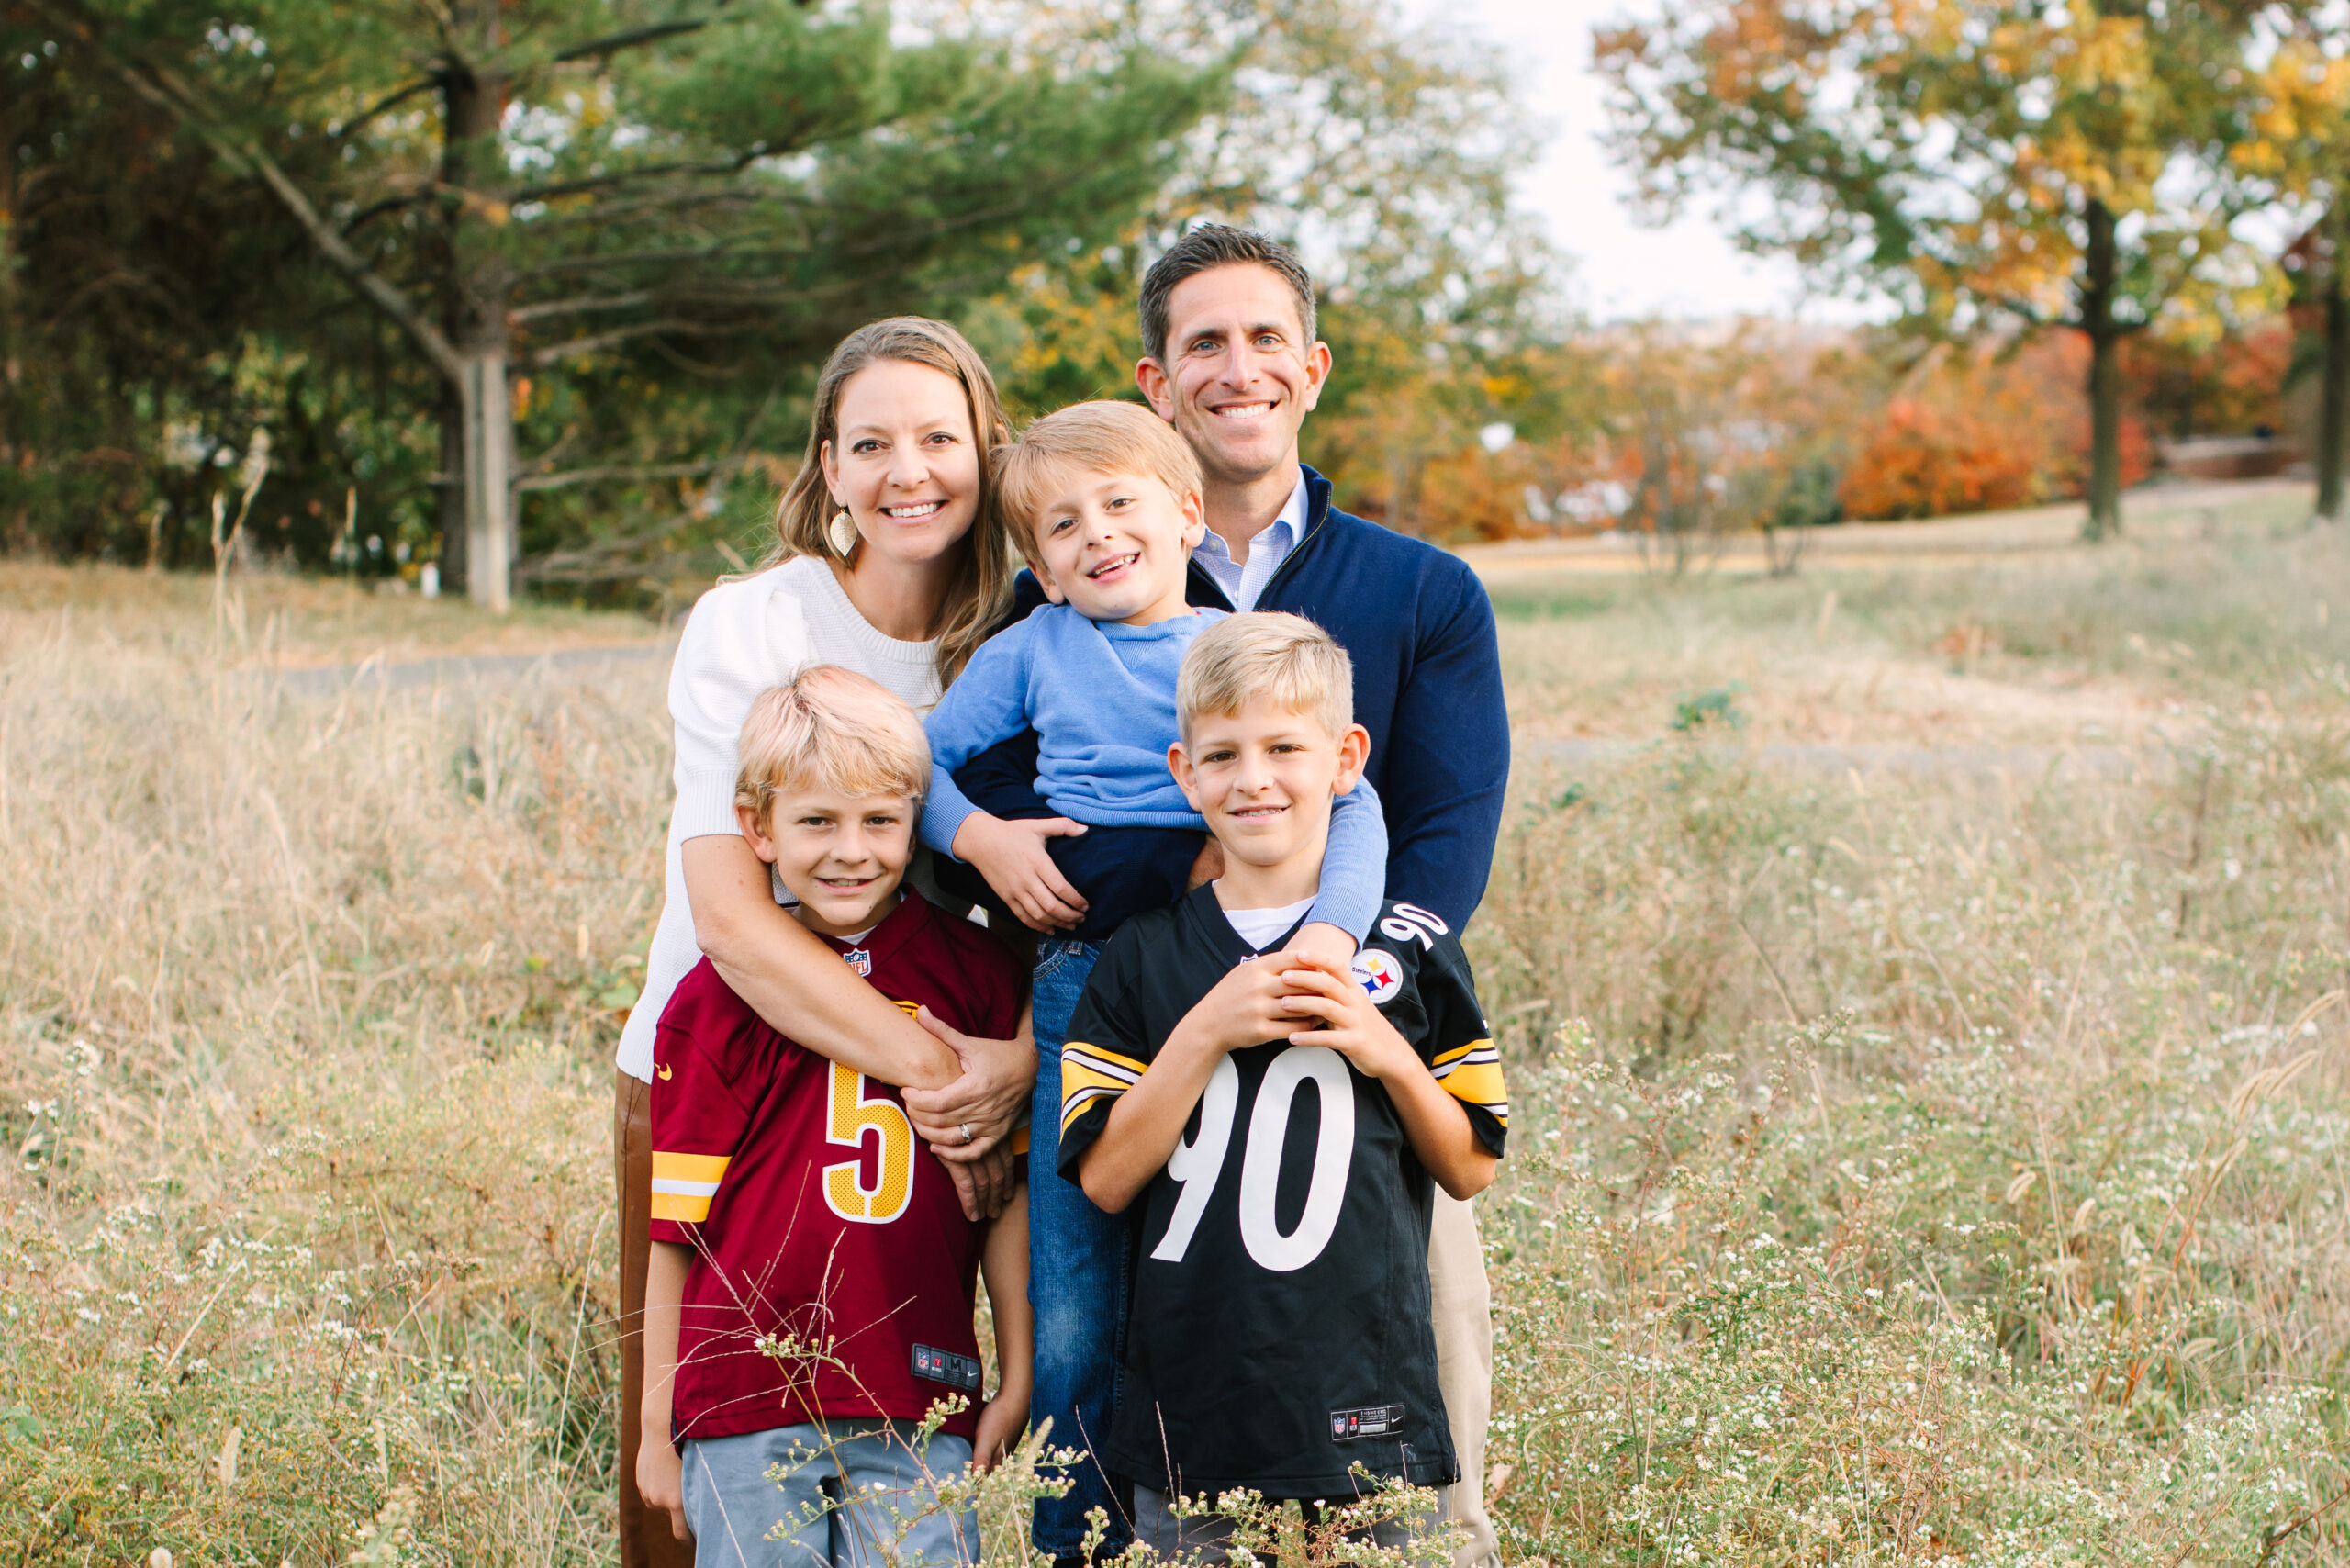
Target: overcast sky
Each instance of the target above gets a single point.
(1622, 268)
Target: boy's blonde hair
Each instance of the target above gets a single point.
(1100, 437)
(1268, 654)
(834, 729)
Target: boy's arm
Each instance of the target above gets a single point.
(1437, 1125)
(1249, 1005)
(660, 1477)
(1354, 877)
(987, 705)
(1003, 1264)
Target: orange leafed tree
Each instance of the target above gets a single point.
(1982, 162)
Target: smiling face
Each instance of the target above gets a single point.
(1238, 377)
(1264, 778)
(1115, 546)
(903, 462)
(841, 855)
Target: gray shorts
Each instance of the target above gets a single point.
(823, 1508)
(1171, 1538)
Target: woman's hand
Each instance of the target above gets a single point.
(1012, 856)
(996, 1077)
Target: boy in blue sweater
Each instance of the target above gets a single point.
(1105, 501)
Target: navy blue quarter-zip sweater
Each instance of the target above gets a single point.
(1417, 624)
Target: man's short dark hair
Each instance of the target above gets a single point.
(1214, 245)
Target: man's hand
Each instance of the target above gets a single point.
(661, 1479)
(1346, 1020)
(1011, 856)
(1208, 867)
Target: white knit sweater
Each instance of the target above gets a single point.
(743, 638)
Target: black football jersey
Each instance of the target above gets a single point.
(1280, 1332)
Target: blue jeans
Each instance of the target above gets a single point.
(1080, 1277)
(861, 1494)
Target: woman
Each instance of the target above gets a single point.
(890, 560)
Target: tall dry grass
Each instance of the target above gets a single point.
(1904, 1168)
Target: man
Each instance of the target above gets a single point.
(1230, 358)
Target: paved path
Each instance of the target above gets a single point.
(382, 675)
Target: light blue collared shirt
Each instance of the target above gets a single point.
(1244, 581)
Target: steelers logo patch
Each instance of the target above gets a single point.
(1378, 974)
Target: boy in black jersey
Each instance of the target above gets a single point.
(1280, 1333)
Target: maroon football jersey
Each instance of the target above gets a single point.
(822, 1227)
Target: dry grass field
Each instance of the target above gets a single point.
(1940, 1160)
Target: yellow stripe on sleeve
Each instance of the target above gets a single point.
(1089, 1074)
(711, 1168)
(1472, 1075)
(683, 1185)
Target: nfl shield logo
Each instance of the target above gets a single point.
(860, 960)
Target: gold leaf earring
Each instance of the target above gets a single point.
(841, 534)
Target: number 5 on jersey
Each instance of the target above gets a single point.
(850, 1118)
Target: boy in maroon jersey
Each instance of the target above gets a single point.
(811, 1290)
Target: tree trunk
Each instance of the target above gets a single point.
(2105, 378)
(474, 297)
(2334, 387)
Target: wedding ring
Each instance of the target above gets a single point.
(966, 1130)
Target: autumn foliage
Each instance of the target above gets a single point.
(1982, 431)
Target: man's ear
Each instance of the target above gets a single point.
(1354, 756)
(756, 835)
(1044, 580)
(1317, 373)
(1158, 387)
(1179, 763)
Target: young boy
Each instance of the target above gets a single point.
(1105, 498)
(1280, 1332)
(809, 1295)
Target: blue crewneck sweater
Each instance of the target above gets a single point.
(1427, 685)
(1100, 697)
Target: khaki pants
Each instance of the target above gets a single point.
(1463, 1307)
(645, 1540)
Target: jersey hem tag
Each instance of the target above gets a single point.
(1366, 1421)
(946, 1367)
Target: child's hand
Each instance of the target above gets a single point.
(1251, 1004)
(1011, 856)
(661, 1482)
(1325, 942)
(1351, 1022)
(1003, 1421)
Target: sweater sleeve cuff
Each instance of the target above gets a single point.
(706, 807)
(943, 814)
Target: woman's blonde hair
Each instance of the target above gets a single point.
(1269, 654)
(1100, 437)
(981, 588)
(834, 729)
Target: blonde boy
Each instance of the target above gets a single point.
(1280, 1333)
(793, 1206)
(1105, 501)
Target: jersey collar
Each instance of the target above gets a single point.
(911, 915)
(1207, 915)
